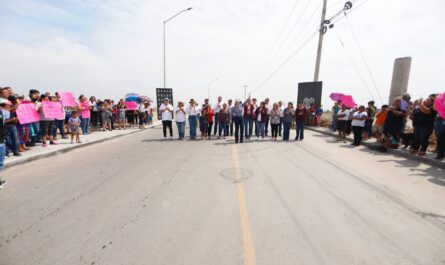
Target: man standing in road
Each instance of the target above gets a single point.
(166, 110)
(269, 108)
(2, 138)
(216, 108)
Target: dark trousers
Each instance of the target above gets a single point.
(231, 127)
(60, 124)
(165, 125)
(93, 115)
(280, 126)
(300, 130)
(421, 138)
(286, 130)
(358, 134)
(216, 124)
(239, 129)
(209, 129)
(275, 130)
(441, 143)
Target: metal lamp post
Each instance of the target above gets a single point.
(165, 22)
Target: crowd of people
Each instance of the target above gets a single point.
(244, 120)
(389, 124)
(92, 113)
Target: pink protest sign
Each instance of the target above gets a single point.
(84, 109)
(52, 110)
(348, 101)
(68, 99)
(27, 113)
(131, 105)
(439, 104)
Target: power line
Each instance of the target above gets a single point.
(353, 63)
(277, 38)
(286, 61)
(268, 62)
(364, 58)
(296, 37)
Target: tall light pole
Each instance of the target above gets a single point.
(208, 87)
(320, 41)
(165, 22)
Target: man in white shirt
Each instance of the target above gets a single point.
(216, 108)
(166, 110)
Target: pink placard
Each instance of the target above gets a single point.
(131, 105)
(27, 113)
(68, 99)
(52, 110)
(85, 112)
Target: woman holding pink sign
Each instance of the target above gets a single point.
(46, 124)
(84, 109)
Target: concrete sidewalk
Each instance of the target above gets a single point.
(427, 159)
(64, 145)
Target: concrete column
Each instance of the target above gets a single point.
(400, 78)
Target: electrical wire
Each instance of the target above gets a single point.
(315, 33)
(364, 58)
(353, 63)
(277, 38)
(269, 62)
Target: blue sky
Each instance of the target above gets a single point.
(109, 48)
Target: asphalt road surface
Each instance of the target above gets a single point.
(142, 200)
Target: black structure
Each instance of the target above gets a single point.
(161, 94)
(310, 90)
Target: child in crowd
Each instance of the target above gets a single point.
(380, 122)
(74, 123)
(204, 122)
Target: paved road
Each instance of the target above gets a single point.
(139, 200)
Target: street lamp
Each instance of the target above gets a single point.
(208, 87)
(165, 22)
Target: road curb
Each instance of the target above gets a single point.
(395, 152)
(68, 149)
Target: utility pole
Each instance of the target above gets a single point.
(320, 41)
(245, 90)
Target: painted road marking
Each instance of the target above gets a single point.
(249, 251)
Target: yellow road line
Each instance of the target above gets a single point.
(249, 251)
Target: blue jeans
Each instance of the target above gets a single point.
(334, 123)
(248, 127)
(11, 139)
(193, 123)
(181, 129)
(2, 155)
(421, 138)
(300, 130)
(223, 126)
(60, 124)
(261, 127)
(286, 130)
(35, 132)
(84, 125)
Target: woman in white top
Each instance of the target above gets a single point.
(180, 119)
(166, 110)
(342, 122)
(358, 123)
(193, 112)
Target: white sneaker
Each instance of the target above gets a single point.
(2, 183)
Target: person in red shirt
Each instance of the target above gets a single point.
(210, 115)
(300, 118)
